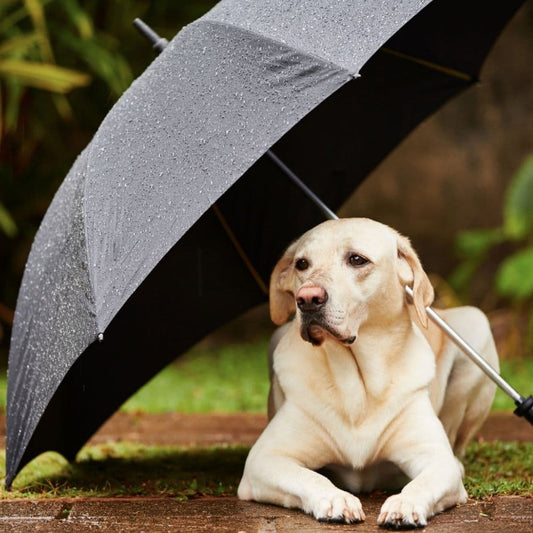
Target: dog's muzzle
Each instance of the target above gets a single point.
(311, 301)
(314, 329)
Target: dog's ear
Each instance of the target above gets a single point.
(281, 297)
(412, 274)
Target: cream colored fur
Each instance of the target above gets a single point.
(395, 407)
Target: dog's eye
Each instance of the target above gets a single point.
(302, 264)
(357, 260)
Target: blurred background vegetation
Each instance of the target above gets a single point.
(63, 63)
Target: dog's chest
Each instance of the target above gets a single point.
(330, 384)
(331, 391)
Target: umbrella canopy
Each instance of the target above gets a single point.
(168, 224)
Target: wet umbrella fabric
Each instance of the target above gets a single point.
(169, 222)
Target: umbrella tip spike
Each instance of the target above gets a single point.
(158, 43)
(100, 337)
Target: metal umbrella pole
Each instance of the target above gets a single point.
(524, 405)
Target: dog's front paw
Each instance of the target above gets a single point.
(340, 506)
(398, 512)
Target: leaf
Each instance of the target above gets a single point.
(19, 44)
(107, 65)
(460, 278)
(36, 11)
(43, 76)
(514, 278)
(518, 207)
(7, 224)
(476, 243)
(13, 97)
(3, 127)
(79, 18)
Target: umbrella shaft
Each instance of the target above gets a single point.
(307, 191)
(446, 328)
(474, 356)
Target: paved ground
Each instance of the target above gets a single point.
(229, 514)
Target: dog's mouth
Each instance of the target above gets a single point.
(315, 331)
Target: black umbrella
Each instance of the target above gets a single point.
(169, 222)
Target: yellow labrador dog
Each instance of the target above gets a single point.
(365, 393)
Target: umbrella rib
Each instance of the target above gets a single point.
(240, 249)
(430, 64)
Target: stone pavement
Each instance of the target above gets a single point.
(229, 514)
(221, 515)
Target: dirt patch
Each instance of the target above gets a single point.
(182, 430)
(240, 428)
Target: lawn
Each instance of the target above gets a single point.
(128, 469)
(225, 379)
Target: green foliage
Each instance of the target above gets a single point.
(514, 277)
(518, 372)
(7, 224)
(518, 207)
(27, 59)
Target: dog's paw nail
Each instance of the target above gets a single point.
(399, 513)
(343, 507)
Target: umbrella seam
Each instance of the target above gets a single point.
(85, 237)
(323, 60)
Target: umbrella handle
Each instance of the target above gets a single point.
(525, 409)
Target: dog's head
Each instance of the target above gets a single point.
(343, 274)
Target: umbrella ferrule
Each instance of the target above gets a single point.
(158, 43)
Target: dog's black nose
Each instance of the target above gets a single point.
(311, 298)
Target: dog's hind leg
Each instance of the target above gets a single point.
(469, 392)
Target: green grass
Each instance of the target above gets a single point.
(127, 469)
(499, 468)
(225, 379)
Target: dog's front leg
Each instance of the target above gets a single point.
(283, 481)
(425, 456)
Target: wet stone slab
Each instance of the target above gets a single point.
(232, 515)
